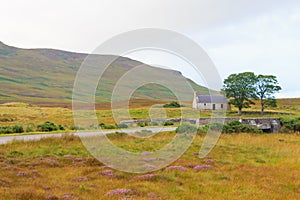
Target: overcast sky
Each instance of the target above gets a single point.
(239, 35)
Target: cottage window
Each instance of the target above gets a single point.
(222, 106)
(205, 104)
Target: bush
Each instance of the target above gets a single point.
(102, 125)
(6, 130)
(202, 130)
(17, 129)
(122, 125)
(168, 123)
(186, 128)
(237, 127)
(233, 127)
(297, 127)
(216, 127)
(154, 123)
(11, 129)
(230, 127)
(141, 124)
(47, 127)
(73, 127)
(106, 126)
(250, 129)
(291, 125)
(60, 127)
(173, 104)
(29, 129)
(109, 126)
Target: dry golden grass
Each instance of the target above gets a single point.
(245, 166)
(28, 115)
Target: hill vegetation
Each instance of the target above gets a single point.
(46, 76)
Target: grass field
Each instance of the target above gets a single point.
(241, 166)
(31, 115)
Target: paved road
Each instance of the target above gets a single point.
(6, 139)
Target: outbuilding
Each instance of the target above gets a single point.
(210, 102)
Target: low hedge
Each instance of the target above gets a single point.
(49, 126)
(11, 129)
(290, 124)
(230, 127)
(186, 128)
(173, 104)
(168, 123)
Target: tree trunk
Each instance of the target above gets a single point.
(240, 111)
(262, 106)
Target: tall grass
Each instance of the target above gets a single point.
(242, 166)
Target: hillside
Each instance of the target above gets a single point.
(47, 76)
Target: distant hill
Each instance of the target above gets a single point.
(47, 76)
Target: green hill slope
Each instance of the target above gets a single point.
(47, 75)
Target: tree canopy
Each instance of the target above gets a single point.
(267, 85)
(240, 89)
(243, 88)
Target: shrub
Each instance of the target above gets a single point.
(11, 129)
(216, 127)
(186, 128)
(297, 127)
(17, 129)
(173, 104)
(238, 127)
(106, 126)
(60, 127)
(168, 123)
(233, 127)
(250, 129)
(47, 127)
(29, 129)
(102, 125)
(202, 130)
(6, 130)
(291, 124)
(122, 125)
(154, 123)
(109, 126)
(73, 127)
(141, 124)
(230, 127)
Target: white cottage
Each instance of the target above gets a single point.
(208, 102)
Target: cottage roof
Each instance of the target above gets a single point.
(212, 99)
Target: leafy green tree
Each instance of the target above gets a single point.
(267, 86)
(240, 89)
